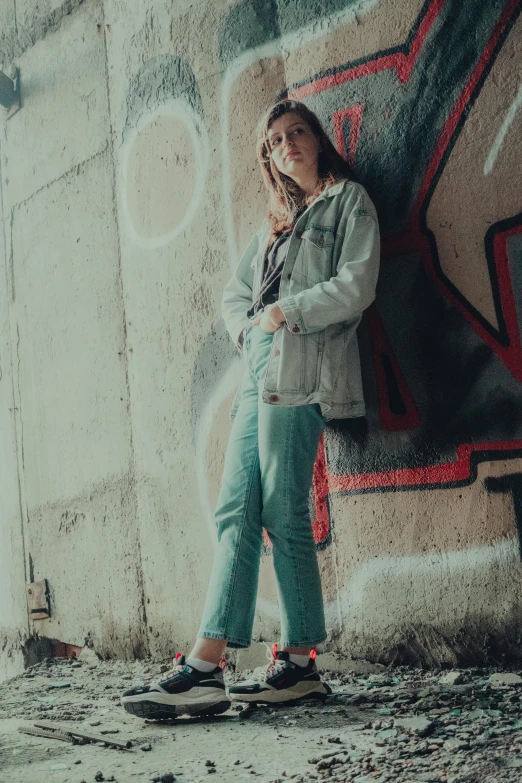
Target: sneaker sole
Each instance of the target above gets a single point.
(281, 697)
(151, 709)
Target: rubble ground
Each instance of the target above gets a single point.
(399, 724)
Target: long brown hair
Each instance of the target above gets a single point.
(287, 199)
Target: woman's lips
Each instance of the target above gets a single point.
(291, 155)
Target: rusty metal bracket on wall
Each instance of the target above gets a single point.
(38, 600)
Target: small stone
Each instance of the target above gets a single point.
(420, 726)
(452, 678)
(511, 763)
(505, 678)
(99, 777)
(382, 735)
(455, 744)
(379, 679)
(146, 747)
(89, 657)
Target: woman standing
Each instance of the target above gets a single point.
(292, 307)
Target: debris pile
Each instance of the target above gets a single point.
(401, 724)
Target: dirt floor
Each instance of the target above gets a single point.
(401, 724)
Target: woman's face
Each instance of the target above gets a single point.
(293, 146)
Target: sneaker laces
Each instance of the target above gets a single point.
(275, 666)
(176, 668)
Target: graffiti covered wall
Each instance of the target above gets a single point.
(137, 209)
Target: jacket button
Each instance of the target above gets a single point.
(320, 241)
(276, 353)
(274, 398)
(295, 328)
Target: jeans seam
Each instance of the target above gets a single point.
(226, 612)
(290, 444)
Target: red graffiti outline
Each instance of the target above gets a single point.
(412, 239)
(354, 114)
(510, 354)
(402, 62)
(321, 490)
(454, 473)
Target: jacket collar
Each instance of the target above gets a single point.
(333, 190)
(330, 190)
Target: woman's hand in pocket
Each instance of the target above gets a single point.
(270, 319)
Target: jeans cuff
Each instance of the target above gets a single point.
(301, 643)
(232, 641)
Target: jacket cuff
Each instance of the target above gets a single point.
(292, 314)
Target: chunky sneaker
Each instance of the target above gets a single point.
(281, 681)
(182, 691)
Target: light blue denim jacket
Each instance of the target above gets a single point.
(328, 280)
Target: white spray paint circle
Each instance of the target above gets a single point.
(164, 163)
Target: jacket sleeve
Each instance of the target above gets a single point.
(237, 294)
(349, 292)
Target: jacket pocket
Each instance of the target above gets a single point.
(320, 236)
(320, 351)
(312, 351)
(318, 243)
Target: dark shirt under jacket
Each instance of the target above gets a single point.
(272, 269)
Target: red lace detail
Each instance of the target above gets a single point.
(313, 654)
(178, 656)
(222, 664)
(274, 650)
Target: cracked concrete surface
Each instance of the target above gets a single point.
(405, 725)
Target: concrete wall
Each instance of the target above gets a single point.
(130, 186)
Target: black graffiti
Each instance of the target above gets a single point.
(509, 483)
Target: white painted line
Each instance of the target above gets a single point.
(497, 144)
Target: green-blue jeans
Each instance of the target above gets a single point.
(266, 483)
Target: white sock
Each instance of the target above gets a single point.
(201, 666)
(300, 660)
